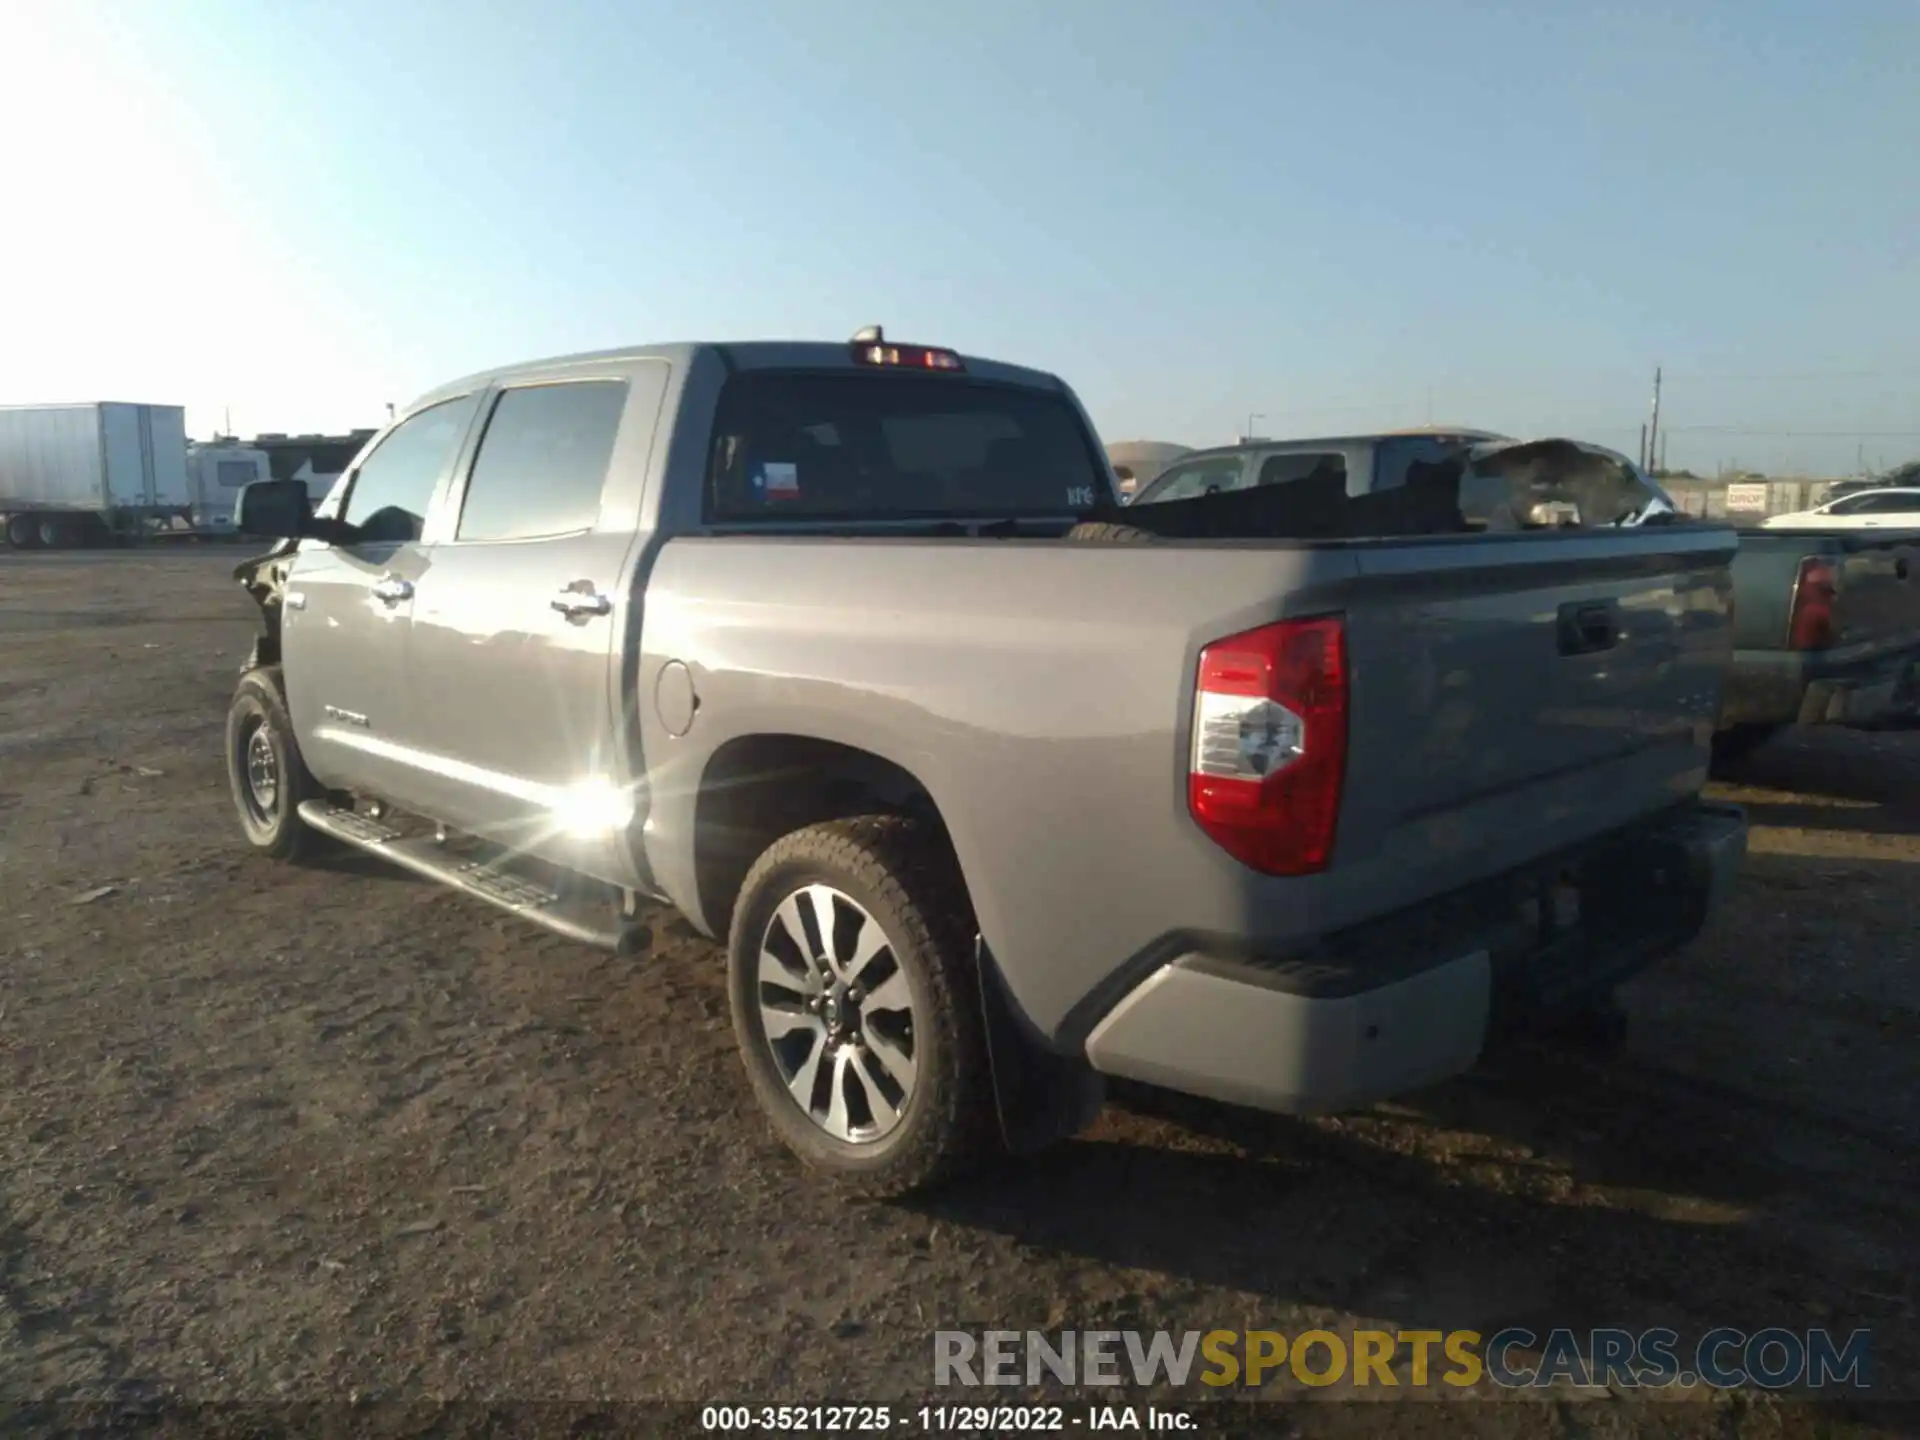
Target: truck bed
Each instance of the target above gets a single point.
(1484, 731)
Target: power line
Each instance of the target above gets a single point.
(1615, 428)
(1795, 434)
(1585, 380)
(1810, 375)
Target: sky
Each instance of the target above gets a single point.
(1328, 217)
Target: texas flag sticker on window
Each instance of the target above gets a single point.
(780, 480)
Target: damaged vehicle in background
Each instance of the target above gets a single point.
(1826, 619)
(1432, 481)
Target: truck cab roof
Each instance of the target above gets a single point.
(736, 355)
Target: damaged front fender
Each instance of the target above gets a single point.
(265, 578)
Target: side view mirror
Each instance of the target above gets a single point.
(279, 509)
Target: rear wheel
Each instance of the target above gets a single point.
(265, 773)
(23, 532)
(55, 533)
(856, 1006)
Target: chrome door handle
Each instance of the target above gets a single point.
(391, 590)
(579, 604)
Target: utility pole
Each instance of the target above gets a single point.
(1251, 417)
(1653, 425)
(1644, 464)
(229, 412)
(1663, 454)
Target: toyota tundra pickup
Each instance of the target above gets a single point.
(1827, 632)
(837, 649)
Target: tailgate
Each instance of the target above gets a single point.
(1512, 695)
(1879, 591)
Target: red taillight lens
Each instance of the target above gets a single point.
(1270, 744)
(1811, 626)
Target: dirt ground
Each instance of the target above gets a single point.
(312, 1134)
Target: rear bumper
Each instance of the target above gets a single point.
(1413, 998)
(1779, 687)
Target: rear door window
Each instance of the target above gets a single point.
(1851, 505)
(542, 461)
(1215, 474)
(1399, 458)
(848, 447)
(1321, 466)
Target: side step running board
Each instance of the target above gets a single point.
(422, 855)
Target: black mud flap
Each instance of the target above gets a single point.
(1041, 1096)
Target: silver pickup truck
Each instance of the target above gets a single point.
(1827, 632)
(834, 648)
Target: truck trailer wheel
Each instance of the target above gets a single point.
(265, 773)
(856, 1007)
(55, 532)
(23, 532)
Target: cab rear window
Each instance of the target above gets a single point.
(882, 447)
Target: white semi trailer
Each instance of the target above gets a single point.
(83, 474)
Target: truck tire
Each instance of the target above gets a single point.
(1105, 532)
(1736, 742)
(55, 533)
(265, 773)
(23, 532)
(864, 1043)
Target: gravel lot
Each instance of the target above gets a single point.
(271, 1133)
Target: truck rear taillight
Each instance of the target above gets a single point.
(1811, 624)
(1270, 744)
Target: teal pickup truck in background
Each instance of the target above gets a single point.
(1826, 632)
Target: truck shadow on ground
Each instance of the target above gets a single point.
(1851, 781)
(1855, 819)
(1855, 763)
(1476, 1207)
